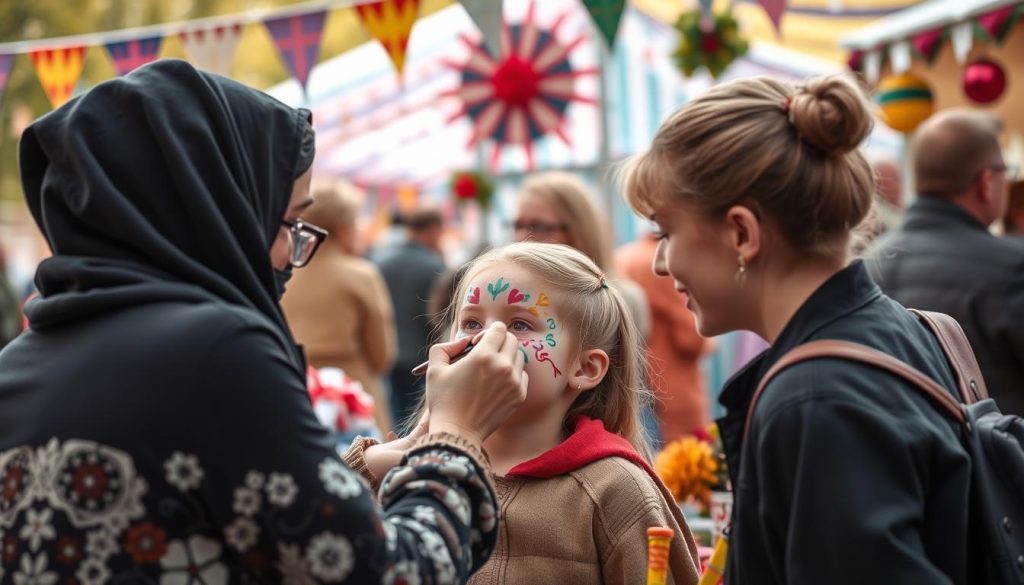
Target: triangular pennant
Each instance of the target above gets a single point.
(928, 42)
(58, 71)
(212, 49)
(962, 37)
(872, 65)
(298, 41)
(128, 55)
(390, 22)
(606, 15)
(774, 9)
(995, 23)
(487, 15)
(5, 70)
(899, 57)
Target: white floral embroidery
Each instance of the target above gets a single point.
(242, 534)
(425, 514)
(196, 563)
(339, 480)
(390, 536)
(34, 572)
(17, 481)
(37, 527)
(254, 480)
(247, 501)
(94, 485)
(183, 471)
(330, 557)
(292, 566)
(281, 489)
(435, 548)
(403, 573)
(93, 572)
(457, 504)
(100, 544)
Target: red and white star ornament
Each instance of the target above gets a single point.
(523, 94)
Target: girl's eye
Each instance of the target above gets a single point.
(470, 325)
(520, 325)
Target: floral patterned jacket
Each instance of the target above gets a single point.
(206, 465)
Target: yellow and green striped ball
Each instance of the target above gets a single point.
(906, 101)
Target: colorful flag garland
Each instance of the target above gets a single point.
(128, 55)
(297, 39)
(390, 22)
(212, 49)
(58, 71)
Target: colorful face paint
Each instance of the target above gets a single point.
(497, 287)
(515, 297)
(473, 297)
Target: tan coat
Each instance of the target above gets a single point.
(339, 309)
(587, 527)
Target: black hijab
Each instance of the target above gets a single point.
(166, 184)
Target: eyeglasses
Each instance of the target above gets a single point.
(305, 238)
(538, 227)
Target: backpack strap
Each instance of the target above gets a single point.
(959, 353)
(830, 348)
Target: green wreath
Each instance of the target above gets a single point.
(713, 49)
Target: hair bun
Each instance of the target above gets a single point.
(831, 114)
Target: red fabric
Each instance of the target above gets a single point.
(588, 443)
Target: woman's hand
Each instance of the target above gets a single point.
(474, 396)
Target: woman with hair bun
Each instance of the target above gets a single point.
(846, 474)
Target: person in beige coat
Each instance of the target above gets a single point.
(338, 307)
(576, 491)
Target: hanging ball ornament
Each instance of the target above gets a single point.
(984, 81)
(906, 100)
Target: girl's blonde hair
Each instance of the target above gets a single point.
(786, 151)
(336, 204)
(593, 310)
(585, 223)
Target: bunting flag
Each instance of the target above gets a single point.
(961, 36)
(927, 43)
(5, 69)
(899, 57)
(487, 15)
(774, 9)
(390, 22)
(298, 41)
(212, 49)
(606, 15)
(58, 71)
(128, 55)
(996, 24)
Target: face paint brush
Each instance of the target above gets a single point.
(422, 368)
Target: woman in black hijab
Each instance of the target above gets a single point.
(154, 421)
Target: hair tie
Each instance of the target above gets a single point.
(601, 280)
(786, 103)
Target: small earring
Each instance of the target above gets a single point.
(741, 272)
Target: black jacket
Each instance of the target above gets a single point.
(942, 259)
(849, 475)
(154, 421)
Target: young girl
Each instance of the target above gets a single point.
(575, 489)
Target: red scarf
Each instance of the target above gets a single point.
(589, 442)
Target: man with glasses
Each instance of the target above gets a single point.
(943, 258)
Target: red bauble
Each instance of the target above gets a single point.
(465, 187)
(984, 81)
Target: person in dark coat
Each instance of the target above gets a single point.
(943, 257)
(154, 421)
(848, 475)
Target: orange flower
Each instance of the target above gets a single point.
(689, 469)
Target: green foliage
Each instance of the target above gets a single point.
(712, 44)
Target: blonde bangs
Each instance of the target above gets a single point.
(641, 182)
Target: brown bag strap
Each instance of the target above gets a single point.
(829, 348)
(959, 353)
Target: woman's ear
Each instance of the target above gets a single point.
(590, 370)
(744, 232)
